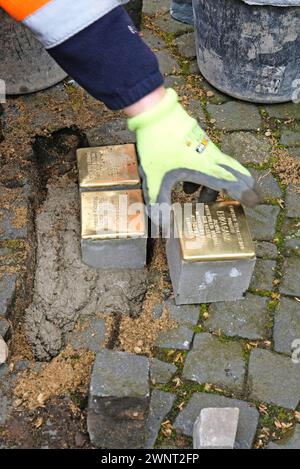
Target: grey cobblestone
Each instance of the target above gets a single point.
(266, 250)
(152, 40)
(185, 315)
(287, 325)
(4, 327)
(90, 335)
(167, 63)
(160, 405)
(267, 184)
(7, 291)
(168, 25)
(179, 338)
(244, 318)
(196, 111)
(274, 379)
(152, 7)
(262, 221)
(293, 201)
(285, 111)
(263, 275)
(235, 115)
(246, 147)
(186, 45)
(216, 362)
(161, 372)
(290, 137)
(290, 284)
(248, 420)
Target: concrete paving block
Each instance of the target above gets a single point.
(119, 400)
(216, 428)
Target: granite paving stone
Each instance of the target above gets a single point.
(266, 250)
(152, 40)
(246, 318)
(246, 147)
(273, 379)
(217, 362)
(179, 338)
(262, 221)
(167, 63)
(290, 284)
(287, 325)
(263, 275)
(292, 202)
(267, 185)
(90, 335)
(186, 45)
(290, 137)
(291, 233)
(248, 420)
(152, 7)
(161, 372)
(185, 315)
(160, 405)
(7, 291)
(291, 442)
(168, 25)
(294, 151)
(235, 115)
(4, 327)
(284, 111)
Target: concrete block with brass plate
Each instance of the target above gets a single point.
(210, 254)
(113, 229)
(110, 167)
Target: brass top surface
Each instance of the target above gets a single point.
(108, 166)
(113, 215)
(215, 231)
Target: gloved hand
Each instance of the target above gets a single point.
(173, 148)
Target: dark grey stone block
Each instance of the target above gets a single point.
(235, 115)
(119, 400)
(185, 315)
(179, 338)
(267, 185)
(4, 327)
(161, 372)
(216, 362)
(115, 253)
(246, 318)
(274, 379)
(287, 325)
(263, 275)
(266, 250)
(293, 201)
(207, 282)
(160, 405)
(248, 420)
(246, 147)
(7, 291)
(110, 133)
(262, 221)
(90, 335)
(291, 277)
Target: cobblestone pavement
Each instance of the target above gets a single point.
(230, 354)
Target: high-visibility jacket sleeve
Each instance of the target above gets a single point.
(55, 21)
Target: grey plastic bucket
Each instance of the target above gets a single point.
(25, 66)
(250, 49)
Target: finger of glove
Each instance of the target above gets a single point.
(241, 189)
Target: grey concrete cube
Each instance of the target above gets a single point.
(119, 401)
(216, 428)
(115, 253)
(207, 281)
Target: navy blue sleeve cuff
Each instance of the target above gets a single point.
(110, 60)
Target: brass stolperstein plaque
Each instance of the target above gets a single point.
(112, 215)
(104, 167)
(215, 232)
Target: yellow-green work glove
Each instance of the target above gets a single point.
(173, 148)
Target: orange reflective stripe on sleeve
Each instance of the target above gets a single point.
(21, 9)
